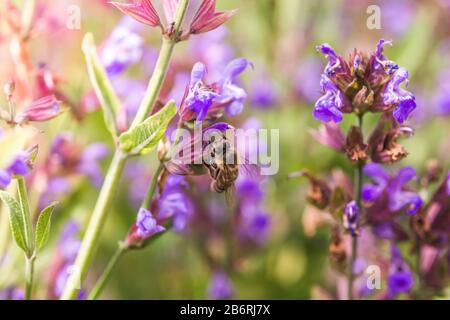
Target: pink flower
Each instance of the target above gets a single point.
(43, 109)
(201, 15)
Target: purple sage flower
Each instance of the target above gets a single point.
(400, 278)
(333, 58)
(220, 287)
(328, 107)
(366, 82)
(199, 98)
(231, 94)
(403, 99)
(224, 94)
(399, 197)
(146, 224)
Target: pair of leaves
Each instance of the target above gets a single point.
(103, 88)
(143, 137)
(18, 227)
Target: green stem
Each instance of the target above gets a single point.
(358, 186)
(26, 215)
(103, 280)
(96, 223)
(29, 276)
(105, 197)
(145, 204)
(151, 189)
(160, 71)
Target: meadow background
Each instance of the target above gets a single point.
(279, 37)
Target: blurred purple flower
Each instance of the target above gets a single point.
(403, 99)
(89, 162)
(18, 166)
(231, 94)
(138, 177)
(220, 287)
(442, 95)
(309, 73)
(399, 198)
(263, 92)
(12, 293)
(448, 183)
(400, 278)
(397, 16)
(174, 203)
(69, 244)
(61, 279)
(253, 223)
(62, 263)
(178, 88)
(122, 48)
(211, 48)
(124, 86)
(56, 188)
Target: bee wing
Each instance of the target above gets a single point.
(185, 169)
(249, 169)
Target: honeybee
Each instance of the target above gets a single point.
(219, 158)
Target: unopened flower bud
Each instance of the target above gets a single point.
(163, 148)
(337, 247)
(351, 217)
(9, 88)
(42, 109)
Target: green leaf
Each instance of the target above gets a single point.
(145, 136)
(109, 101)
(43, 226)
(16, 221)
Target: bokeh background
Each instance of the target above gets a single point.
(279, 37)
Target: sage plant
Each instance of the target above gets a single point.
(366, 84)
